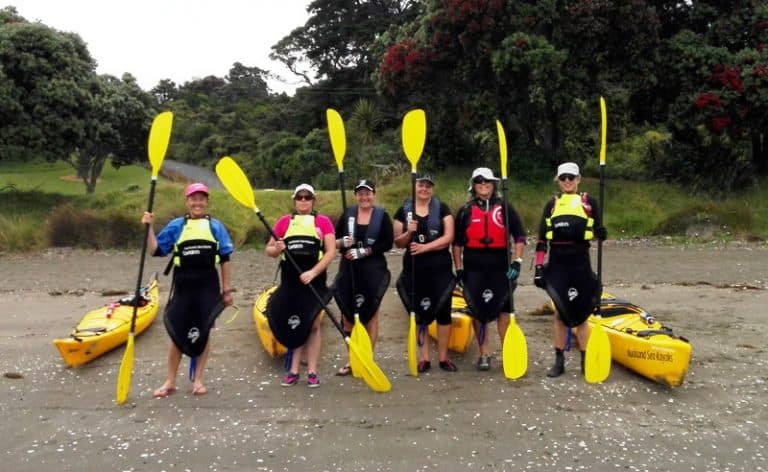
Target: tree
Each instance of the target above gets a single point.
(336, 40)
(46, 85)
(116, 129)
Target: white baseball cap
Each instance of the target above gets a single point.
(305, 187)
(567, 168)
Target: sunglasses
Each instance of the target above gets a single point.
(480, 180)
(304, 198)
(565, 177)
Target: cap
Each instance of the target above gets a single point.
(365, 183)
(483, 172)
(305, 187)
(194, 188)
(425, 177)
(567, 168)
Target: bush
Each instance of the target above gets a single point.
(85, 228)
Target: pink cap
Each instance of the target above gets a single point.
(194, 188)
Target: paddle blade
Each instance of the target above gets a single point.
(362, 340)
(597, 361)
(126, 370)
(603, 130)
(514, 351)
(371, 373)
(360, 334)
(159, 137)
(337, 135)
(236, 182)
(502, 148)
(414, 135)
(413, 359)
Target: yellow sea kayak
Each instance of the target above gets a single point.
(461, 324)
(642, 344)
(268, 341)
(107, 327)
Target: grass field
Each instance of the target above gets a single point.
(43, 205)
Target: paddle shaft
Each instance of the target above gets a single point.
(343, 193)
(506, 236)
(144, 243)
(413, 237)
(295, 265)
(601, 212)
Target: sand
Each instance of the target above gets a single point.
(55, 418)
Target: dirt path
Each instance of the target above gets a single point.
(67, 419)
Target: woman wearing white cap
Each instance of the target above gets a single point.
(198, 242)
(426, 282)
(479, 254)
(293, 309)
(569, 222)
(364, 235)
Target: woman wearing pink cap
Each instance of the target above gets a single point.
(197, 242)
(569, 222)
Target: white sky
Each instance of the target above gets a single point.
(179, 40)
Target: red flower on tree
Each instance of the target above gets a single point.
(719, 123)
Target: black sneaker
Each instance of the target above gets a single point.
(484, 363)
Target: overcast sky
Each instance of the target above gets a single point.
(179, 40)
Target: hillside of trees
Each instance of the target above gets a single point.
(686, 85)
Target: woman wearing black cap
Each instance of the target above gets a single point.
(364, 235)
(480, 258)
(568, 223)
(427, 237)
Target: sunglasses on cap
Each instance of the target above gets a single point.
(564, 177)
(481, 180)
(304, 197)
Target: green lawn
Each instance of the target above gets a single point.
(60, 178)
(42, 204)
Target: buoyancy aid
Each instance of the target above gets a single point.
(571, 219)
(374, 225)
(196, 247)
(302, 241)
(485, 228)
(433, 219)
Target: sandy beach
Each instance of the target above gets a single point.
(55, 418)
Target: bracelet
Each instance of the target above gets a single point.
(519, 260)
(226, 292)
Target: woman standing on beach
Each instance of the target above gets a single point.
(480, 258)
(569, 222)
(364, 236)
(198, 243)
(293, 308)
(425, 228)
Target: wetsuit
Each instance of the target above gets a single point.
(293, 307)
(434, 281)
(566, 228)
(480, 231)
(371, 275)
(198, 244)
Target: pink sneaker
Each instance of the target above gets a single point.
(312, 380)
(290, 380)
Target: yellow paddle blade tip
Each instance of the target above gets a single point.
(337, 135)
(414, 135)
(236, 182)
(159, 138)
